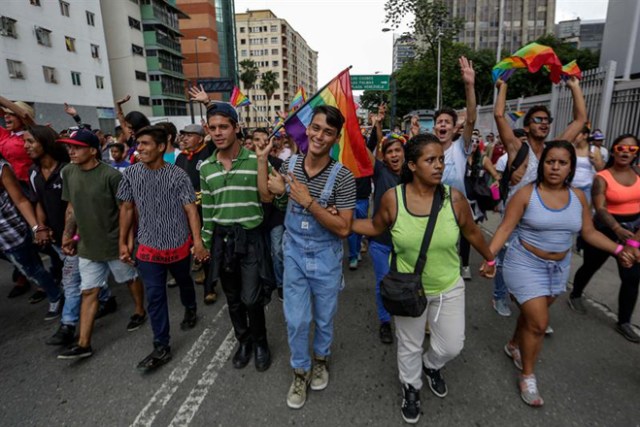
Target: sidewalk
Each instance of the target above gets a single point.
(603, 287)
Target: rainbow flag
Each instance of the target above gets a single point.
(238, 99)
(279, 127)
(298, 99)
(350, 150)
(532, 57)
(571, 70)
(515, 115)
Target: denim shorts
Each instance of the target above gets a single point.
(528, 276)
(94, 274)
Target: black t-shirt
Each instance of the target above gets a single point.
(272, 215)
(363, 188)
(49, 194)
(191, 164)
(383, 180)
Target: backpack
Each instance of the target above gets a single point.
(506, 176)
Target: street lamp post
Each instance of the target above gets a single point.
(439, 89)
(203, 38)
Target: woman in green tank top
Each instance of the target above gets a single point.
(404, 211)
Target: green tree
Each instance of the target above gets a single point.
(370, 99)
(248, 75)
(269, 84)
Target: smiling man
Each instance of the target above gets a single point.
(312, 245)
(232, 230)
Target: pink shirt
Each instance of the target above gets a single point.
(12, 149)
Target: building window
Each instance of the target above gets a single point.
(70, 42)
(144, 100)
(152, 52)
(243, 53)
(274, 51)
(64, 8)
(274, 40)
(154, 78)
(134, 23)
(15, 69)
(35, 2)
(75, 78)
(99, 82)
(276, 97)
(242, 29)
(274, 28)
(49, 75)
(137, 50)
(91, 19)
(8, 27)
(243, 41)
(156, 102)
(95, 51)
(141, 75)
(275, 63)
(43, 36)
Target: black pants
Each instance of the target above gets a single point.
(464, 250)
(630, 277)
(243, 290)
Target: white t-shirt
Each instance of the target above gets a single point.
(455, 164)
(501, 164)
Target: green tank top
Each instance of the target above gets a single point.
(443, 265)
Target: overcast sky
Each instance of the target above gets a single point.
(349, 32)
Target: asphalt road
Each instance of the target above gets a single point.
(587, 373)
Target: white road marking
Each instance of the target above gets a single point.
(192, 403)
(166, 391)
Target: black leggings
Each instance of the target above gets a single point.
(464, 250)
(630, 277)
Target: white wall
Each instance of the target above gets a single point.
(33, 56)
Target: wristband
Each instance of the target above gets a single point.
(75, 237)
(491, 263)
(633, 243)
(34, 228)
(309, 205)
(618, 249)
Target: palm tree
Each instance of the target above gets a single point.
(269, 85)
(248, 75)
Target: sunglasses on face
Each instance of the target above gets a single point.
(540, 120)
(633, 149)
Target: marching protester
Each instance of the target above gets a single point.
(589, 161)
(312, 245)
(232, 230)
(545, 215)
(168, 226)
(405, 211)
(616, 200)
(91, 231)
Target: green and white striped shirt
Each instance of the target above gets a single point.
(230, 197)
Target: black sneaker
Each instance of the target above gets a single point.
(136, 321)
(20, 289)
(386, 336)
(436, 382)
(160, 355)
(280, 294)
(107, 307)
(55, 309)
(76, 352)
(63, 336)
(627, 331)
(410, 404)
(190, 319)
(577, 305)
(37, 297)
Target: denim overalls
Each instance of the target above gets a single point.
(312, 277)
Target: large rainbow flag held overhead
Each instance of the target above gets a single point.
(351, 150)
(238, 99)
(531, 57)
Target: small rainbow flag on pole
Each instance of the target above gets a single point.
(238, 99)
(298, 99)
(351, 150)
(515, 115)
(532, 57)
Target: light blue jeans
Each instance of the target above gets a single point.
(499, 287)
(379, 254)
(312, 282)
(361, 212)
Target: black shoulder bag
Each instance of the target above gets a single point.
(402, 293)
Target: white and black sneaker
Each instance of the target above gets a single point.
(410, 404)
(436, 382)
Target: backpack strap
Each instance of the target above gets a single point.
(506, 176)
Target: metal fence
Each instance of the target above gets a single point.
(612, 106)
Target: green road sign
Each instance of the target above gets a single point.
(370, 82)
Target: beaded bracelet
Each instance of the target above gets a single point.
(633, 243)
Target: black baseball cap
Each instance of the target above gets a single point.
(223, 108)
(82, 138)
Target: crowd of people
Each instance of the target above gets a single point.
(153, 208)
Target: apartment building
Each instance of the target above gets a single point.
(274, 46)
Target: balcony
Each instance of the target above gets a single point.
(159, 40)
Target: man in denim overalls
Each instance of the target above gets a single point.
(312, 245)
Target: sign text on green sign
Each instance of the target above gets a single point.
(370, 82)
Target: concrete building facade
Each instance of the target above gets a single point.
(55, 52)
(404, 50)
(618, 44)
(583, 34)
(524, 21)
(275, 46)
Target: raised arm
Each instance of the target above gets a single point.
(579, 111)
(262, 152)
(511, 142)
(70, 110)
(468, 77)
(22, 114)
(126, 132)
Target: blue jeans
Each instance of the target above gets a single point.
(312, 282)
(499, 287)
(379, 254)
(276, 253)
(154, 277)
(25, 258)
(361, 212)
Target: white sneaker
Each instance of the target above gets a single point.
(465, 272)
(549, 330)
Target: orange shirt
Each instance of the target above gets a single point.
(621, 199)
